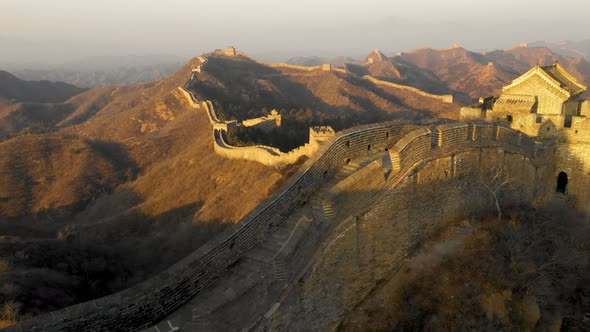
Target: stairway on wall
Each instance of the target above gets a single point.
(264, 273)
(255, 282)
(320, 202)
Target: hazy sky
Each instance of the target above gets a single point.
(54, 31)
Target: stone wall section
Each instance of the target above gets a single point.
(421, 197)
(443, 98)
(328, 67)
(265, 154)
(259, 153)
(145, 304)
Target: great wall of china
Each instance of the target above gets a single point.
(461, 145)
(330, 235)
(265, 154)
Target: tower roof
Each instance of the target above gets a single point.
(554, 75)
(565, 79)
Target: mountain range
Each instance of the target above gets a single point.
(127, 175)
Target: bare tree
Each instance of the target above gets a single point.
(493, 181)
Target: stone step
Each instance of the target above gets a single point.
(169, 326)
(281, 276)
(280, 270)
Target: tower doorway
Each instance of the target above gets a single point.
(561, 182)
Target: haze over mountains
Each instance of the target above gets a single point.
(579, 48)
(98, 71)
(455, 70)
(13, 88)
(95, 71)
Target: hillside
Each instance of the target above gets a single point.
(46, 176)
(397, 70)
(479, 74)
(29, 118)
(527, 273)
(576, 49)
(132, 169)
(243, 87)
(13, 88)
(128, 168)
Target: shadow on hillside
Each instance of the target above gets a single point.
(151, 242)
(241, 88)
(537, 252)
(421, 78)
(44, 222)
(118, 157)
(94, 260)
(245, 93)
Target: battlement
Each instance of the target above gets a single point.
(321, 132)
(443, 98)
(231, 51)
(522, 45)
(265, 123)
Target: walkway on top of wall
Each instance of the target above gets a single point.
(259, 272)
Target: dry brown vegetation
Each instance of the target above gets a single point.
(126, 177)
(13, 88)
(469, 74)
(335, 98)
(531, 271)
(121, 187)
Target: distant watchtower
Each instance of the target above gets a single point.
(231, 51)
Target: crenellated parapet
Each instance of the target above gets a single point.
(448, 99)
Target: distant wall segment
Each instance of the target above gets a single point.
(263, 154)
(443, 98)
